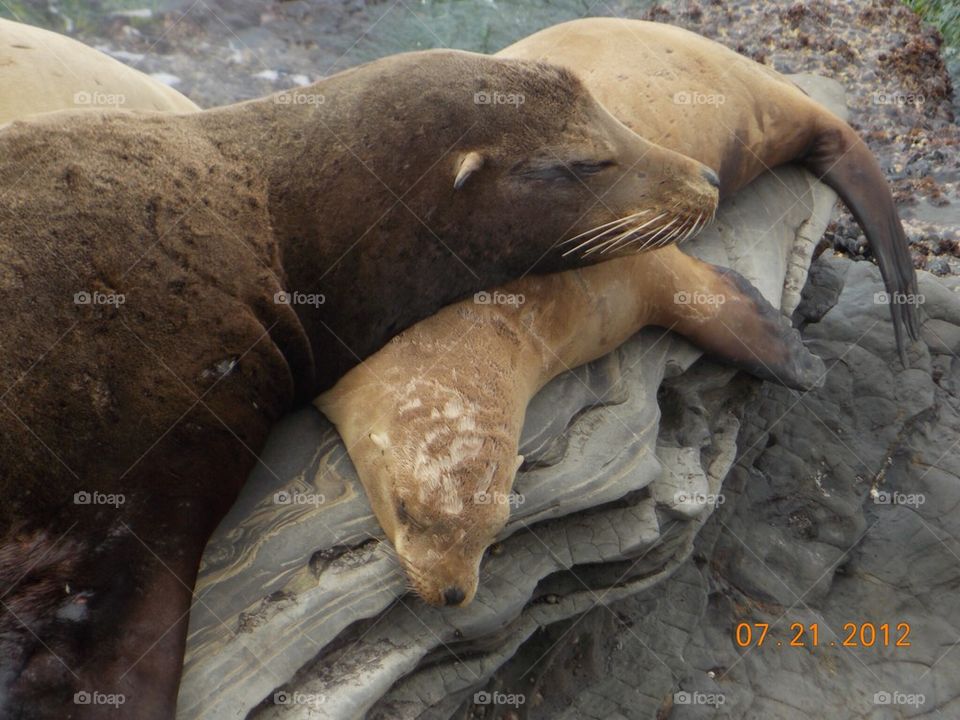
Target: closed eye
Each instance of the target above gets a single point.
(405, 517)
(591, 167)
(573, 170)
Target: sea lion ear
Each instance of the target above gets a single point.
(469, 164)
(380, 440)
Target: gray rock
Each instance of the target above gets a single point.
(838, 511)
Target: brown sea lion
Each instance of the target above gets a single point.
(173, 283)
(420, 466)
(694, 95)
(43, 71)
(432, 422)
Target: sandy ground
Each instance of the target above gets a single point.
(900, 94)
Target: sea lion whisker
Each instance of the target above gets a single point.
(646, 240)
(611, 243)
(634, 231)
(669, 238)
(693, 228)
(599, 234)
(626, 221)
(609, 240)
(600, 227)
(663, 229)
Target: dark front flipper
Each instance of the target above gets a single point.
(841, 160)
(721, 312)
(101, 632)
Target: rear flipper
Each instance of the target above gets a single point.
(843, 161)
(720, 311)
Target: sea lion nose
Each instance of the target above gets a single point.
(711, 177)
(453, 596)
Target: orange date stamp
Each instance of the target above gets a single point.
(807, 635)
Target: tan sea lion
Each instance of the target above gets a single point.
(173, 283)
(432, 422)
(42, 71)
(738, 117)
(451, 433)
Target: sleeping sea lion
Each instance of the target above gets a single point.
(424, 449)
(173, 283)
(432, 422)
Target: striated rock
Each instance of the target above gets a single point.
(838, 512)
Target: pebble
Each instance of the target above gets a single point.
(939, 266)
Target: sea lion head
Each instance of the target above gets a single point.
(438, 476)
(502, 160)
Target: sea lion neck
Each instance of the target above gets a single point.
(297, 142)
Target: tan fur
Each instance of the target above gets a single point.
(640, 70)
(691, 94)
(433, 420)
(42, 71)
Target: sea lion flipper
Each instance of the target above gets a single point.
(722, 312)
(842, 160)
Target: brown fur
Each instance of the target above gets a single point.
(199, 221)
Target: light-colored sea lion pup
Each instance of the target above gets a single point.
(432, 422)
(452, 431)
(173, 283)
(42, 71)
